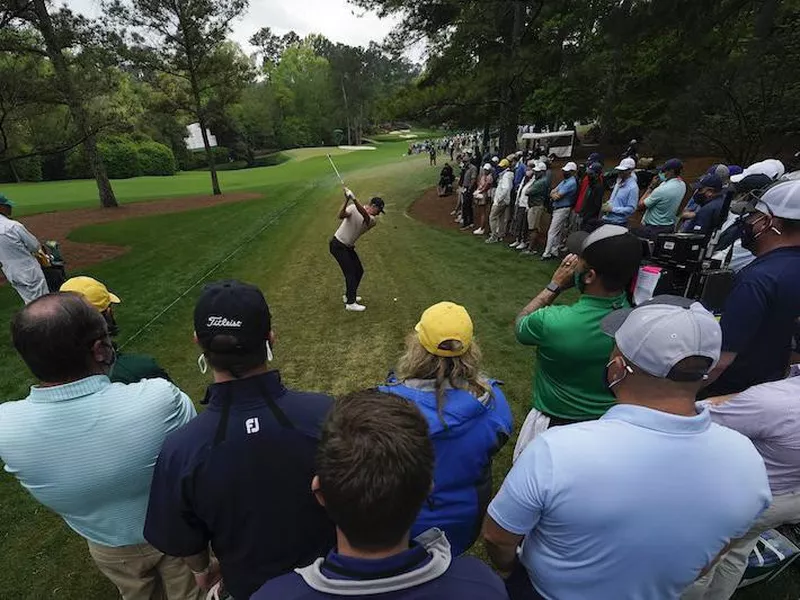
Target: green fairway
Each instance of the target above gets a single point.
(409, 266)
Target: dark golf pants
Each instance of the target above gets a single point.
(351, 267)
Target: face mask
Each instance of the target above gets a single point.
(269, 353)
(529, 173)
(202, 364)
(610, 385)
(662, 177)
(110, 361)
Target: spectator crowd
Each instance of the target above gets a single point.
(660, 442)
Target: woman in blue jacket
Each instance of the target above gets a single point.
(468, 416)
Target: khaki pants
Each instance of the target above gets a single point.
(143, 573)
(497, 220)
(555, 235)
(722, 580)
(535, 214)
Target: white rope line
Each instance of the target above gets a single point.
(205, 276)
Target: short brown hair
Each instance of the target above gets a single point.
(375, 467)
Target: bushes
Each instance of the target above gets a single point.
(197, 158)
(155, 159)
(120, 157)
(124, 159)
(27, 169)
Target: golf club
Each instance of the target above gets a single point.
(330, 158)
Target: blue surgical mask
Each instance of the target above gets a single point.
(662, 177)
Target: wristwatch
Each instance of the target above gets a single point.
(553, 287)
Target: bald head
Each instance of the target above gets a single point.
(61, 338)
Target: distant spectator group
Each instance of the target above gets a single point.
(659, 444)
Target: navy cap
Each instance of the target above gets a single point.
(596, 168)
(232, 317)
(594, 157)
(673, 164)
(709, 181)
(379, 203)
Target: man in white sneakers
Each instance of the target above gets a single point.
(356, 219)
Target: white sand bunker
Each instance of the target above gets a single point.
(357, 148)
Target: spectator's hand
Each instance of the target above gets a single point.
(205, 580)
(564, 277)
(607, 207)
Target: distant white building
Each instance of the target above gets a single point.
(195, 139)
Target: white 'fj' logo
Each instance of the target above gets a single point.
(252, 425)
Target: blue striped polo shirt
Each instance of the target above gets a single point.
(87, 449)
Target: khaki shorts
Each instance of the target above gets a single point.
(480, 200)
(535, 214)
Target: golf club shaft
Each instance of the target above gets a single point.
(330, 158)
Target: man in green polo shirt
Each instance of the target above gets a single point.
(128, 368)
(571, 349)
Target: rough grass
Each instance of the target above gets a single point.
(319, 347)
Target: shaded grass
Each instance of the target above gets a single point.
(319, 346)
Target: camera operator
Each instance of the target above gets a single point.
(760, 314)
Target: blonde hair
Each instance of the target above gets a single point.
(461, 372)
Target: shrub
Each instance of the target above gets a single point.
(120, 157)
(197, 158)
(77, 167)
(155, 159)
(27, 169)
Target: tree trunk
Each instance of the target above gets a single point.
(13, 170)
(78, 112)
(509, 122)
(347, 114)
(210, 157)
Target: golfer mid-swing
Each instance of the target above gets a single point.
(356, 220)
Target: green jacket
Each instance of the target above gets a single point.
(132, 368)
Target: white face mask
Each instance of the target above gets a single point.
(202, 364)
(270, 357)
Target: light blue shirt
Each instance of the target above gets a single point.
(624, 200)
(568, 189)
(662, 205)
(86, 450)
(630, 507)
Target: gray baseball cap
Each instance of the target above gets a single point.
(658, 334)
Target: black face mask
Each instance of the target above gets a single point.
(748, 235)
(111, 324)
(605, 379)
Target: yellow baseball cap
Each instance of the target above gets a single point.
(95, 292)
(504, 164)
(444, 322)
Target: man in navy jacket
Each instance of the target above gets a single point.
(237, 477)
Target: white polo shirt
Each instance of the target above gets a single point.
(632, 506)
(352, 226)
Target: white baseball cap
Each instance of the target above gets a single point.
(771, 167)
(495, 159)
(782, 200)
(539, 166)
(633, 141)
(660, 333)
(569, 167)
(487, 167)
(626, 164)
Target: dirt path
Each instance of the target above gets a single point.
(58, 225)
